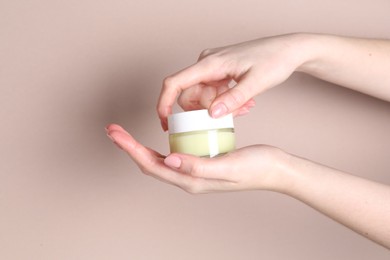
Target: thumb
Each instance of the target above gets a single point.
(208, 168)
(234, 98)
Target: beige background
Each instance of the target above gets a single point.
(68, 68)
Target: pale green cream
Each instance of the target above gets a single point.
(207, 143)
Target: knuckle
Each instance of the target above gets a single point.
(189, 190)
(148, 167)
(182, 101)
(213, 60)
(144, 170)
(194, 188)
(168, 82)
(197, 169)
(171, 85)
(210, 61)
(205, 53)
(237, 97)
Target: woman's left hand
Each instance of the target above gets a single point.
(249, 168)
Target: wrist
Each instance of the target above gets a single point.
(317, 52)
(307, 50)
(284, 172)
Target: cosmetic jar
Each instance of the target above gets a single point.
(197, 133)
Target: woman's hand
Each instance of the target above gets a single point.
(255, 66)
(249, 168)
(360, 64)
(359, 204)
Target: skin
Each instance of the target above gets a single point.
(255, 66)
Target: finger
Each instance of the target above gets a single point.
(155, 153)
(208, 168)
(202, 95)
(138, 152)
(149, 161)
(189, 98)
(202, 71)
(245, 109)
(222, 82)
(210, 174)
(208, 96)
(112, 127)
(235, 98)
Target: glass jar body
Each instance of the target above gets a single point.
(204, 143)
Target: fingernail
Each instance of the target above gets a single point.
(219, 110)
(111, 138)
(243, 111)
(251, 103)
(173, 161)
(164, 125)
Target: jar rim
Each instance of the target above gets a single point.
(197, 120)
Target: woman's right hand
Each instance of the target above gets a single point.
(359, 64)
(255, 66)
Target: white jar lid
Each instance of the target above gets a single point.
(197, 120)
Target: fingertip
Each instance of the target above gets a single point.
(251, 103)
(233, 99)
(121, 138)
(218, 110)
(114, 127)
(164, 125)
(108, 127)
(242, 111)
(173, 161)
(163, 113)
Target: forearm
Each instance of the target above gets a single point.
(360, 204)
(359, 64)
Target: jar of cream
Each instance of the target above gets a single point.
(197, 133)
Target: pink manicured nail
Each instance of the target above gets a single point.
(251, 103)
(219, 110)
(243, 112)
(164, 125)
(173, 161)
